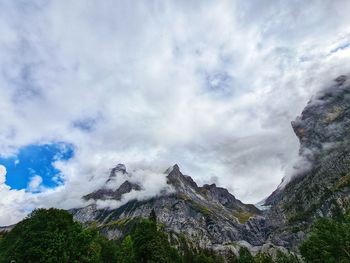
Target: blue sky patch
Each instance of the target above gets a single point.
(35, 160)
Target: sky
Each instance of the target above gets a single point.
(209, 85)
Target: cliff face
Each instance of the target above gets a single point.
(322, 189)
(324, 123)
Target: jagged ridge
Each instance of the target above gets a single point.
(209, 216)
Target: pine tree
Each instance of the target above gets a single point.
(153, 216)
(126, 253)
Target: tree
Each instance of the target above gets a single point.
(208, 256)
(245, 256)
(329, 241)
(109, 250)
(50, 236)
(263, 258)
(286, 258)
(153, 216)
(201, 258)
(152, 245)
(126, 253)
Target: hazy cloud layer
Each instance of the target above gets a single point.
(209, 85)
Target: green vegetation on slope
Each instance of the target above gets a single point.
(242, 217)
(329, 241)
(52, 236)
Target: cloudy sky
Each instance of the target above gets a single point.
(209, 85)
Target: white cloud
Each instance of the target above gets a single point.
(34, 184)
(138, 83)
(14, 204)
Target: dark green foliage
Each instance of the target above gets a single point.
(202, 258)
(245, 256)
(153, 216)
(329, 241)
(286, 258)
(109, 250)
(126, 253)
(152, 245)
(51, 236)
(263, 258)
(207, 257)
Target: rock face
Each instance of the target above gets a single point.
(208, 216)
(322, 189)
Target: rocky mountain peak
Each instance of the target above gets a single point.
(176, 167)
(179, 180)
(120, 168)
(108, 191)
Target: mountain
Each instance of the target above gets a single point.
(322, 187)
(207, 216)
(210, 217)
